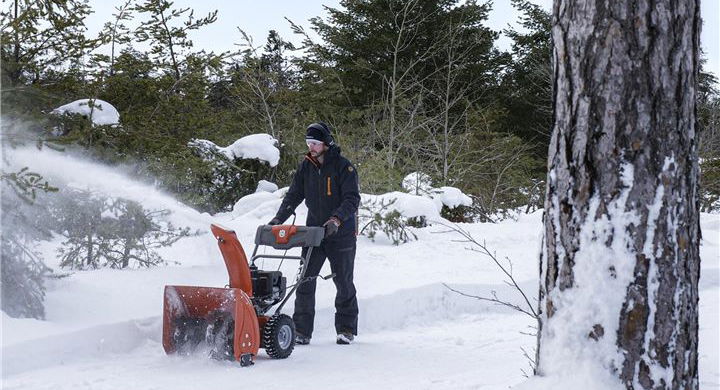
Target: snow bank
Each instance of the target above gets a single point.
(266, 186)
(452, 197)
(430, 303)
(417, 183)
(420, 184)
(266, 200)
(408, 205)
(259, 146)
(93, 343)
(262, 204)
(585, 377)
(99, 111)
(255, 146)
(258, 205)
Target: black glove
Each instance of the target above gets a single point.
(274, 221)
(331, 226)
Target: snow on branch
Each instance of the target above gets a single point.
(255, 146)
(98, 111)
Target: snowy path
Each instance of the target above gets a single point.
(447, 353)
(446, 342)
(415, 357)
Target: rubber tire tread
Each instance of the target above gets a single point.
(269, 336)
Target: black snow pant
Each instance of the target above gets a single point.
(342, 261)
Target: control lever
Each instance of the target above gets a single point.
(309, 278)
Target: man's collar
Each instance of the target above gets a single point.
(330, 154)
(313, 160)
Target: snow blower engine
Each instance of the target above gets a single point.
(235, 322)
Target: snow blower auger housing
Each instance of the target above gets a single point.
(235, 322)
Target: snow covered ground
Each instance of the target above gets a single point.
(103, 327)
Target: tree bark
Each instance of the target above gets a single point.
(620, 262)
(15, 71)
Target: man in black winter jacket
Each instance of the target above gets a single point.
(328, 183)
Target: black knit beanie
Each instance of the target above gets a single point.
(319, 132)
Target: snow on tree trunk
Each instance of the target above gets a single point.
(620, 261)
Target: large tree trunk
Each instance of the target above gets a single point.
(620, 262)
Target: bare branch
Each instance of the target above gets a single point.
(507, 270)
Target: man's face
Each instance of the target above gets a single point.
(316, 148)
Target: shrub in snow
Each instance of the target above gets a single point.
(421, 206)
(451, 197)
(459, 214)
(452, 203)
(535, 195)
(393, 212)
(137, 232)
(455, 205)
(232, 172)
(418, 183)
(218, 182)
(262, 147)
(104, 232)
(76, 129)
(22, 278)
(76, 115)
(380, 216)
(409, 206)
(98, 111)
(23, 273)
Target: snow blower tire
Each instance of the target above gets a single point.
(279, 336)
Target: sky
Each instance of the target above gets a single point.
(258, 17)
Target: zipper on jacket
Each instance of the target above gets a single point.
(319, 184)
(329, 192)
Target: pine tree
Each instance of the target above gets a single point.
(22, 272)
(168, 42)
(709, 141)
(526, 85)
(403, 77)
(394, 56)
(117, 33)
(40, 35)
(261, 79)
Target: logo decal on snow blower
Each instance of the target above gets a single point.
(283, 233)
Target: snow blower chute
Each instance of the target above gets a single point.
(234, 322)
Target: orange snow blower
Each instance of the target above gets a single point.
(234, 322)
